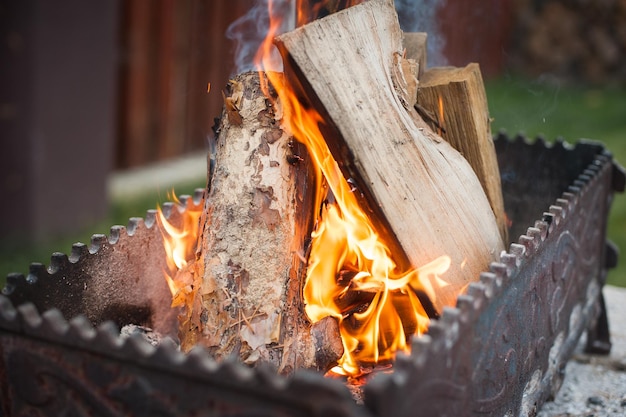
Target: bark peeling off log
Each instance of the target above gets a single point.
(261, 212)
(248, 211)
(257, 220)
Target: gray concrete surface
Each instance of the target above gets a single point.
(158, 177)
(596, 385)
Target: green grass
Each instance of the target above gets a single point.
(571, 112)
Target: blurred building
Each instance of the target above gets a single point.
(169, 53)
(58, 65)
(90, 86)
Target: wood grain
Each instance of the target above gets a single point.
(350, 64)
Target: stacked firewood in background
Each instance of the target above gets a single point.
(572, 40)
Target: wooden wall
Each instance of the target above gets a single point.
(169, 51)
(57, 101)
(477, 31)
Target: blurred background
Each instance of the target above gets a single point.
(105, 106)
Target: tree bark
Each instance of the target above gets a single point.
(255, 227)
(423, 193)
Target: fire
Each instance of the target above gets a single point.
(179, 241)
(352, 277)
(440, 115)
(351, 273)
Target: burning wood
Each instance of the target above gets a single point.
(258, 215)
(333, 162)
(351, 64)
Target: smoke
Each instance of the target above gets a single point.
(249, 30)
(421, 16)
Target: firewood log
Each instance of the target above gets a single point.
(457, 97)
(256, 223)
(423, 193)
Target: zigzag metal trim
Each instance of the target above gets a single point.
(457, 323)
(119, 277)
(118, 233)
(78, 333)
(308, 393)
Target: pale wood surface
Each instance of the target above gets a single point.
(465, 125)
(427, 192)
(256, 220)
(415, 46)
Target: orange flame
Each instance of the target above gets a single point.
(179, 240)
(351, 273)
(441, 115)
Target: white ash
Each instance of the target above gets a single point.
(149, 335)
(596, 385)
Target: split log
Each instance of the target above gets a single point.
(463, 121)
(424, 194)
(257, 220)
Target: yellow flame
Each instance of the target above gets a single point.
(351, 273)
(179, 240)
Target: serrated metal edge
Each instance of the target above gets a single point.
(491, 283)
(105, 340)
(80, 251)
